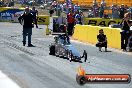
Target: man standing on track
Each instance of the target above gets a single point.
(26, 20)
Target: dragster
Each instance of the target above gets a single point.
(62, 47)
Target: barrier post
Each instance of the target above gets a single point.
(47, 30)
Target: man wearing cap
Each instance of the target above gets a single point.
(26, 20)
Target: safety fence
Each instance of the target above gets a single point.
(10, 14)
(88, 34)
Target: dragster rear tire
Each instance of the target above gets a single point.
(52, 50)
(70, 56)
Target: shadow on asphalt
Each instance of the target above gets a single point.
(39, 28)
(72, 60)
(62, 57)
(106, 51)
(31, 46)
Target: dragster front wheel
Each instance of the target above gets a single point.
(70, 56)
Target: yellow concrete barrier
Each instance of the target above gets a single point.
(87, 33)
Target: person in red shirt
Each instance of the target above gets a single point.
(70, 21)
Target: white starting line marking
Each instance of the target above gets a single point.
(6, 82)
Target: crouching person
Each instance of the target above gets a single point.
(102, 40)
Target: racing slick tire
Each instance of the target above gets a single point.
(52, 50)
(56, 53)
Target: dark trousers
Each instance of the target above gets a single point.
(27, 32)
(35, 21)
(70, 28)
(104, 44)
(124, 40)
(101, 14)
(121, 16)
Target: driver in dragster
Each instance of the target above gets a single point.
(65, 39)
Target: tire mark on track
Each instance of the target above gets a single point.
(19, 48)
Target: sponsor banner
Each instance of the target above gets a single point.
(101, 21)
(16, 16)
(43, 19)
(10, 14)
